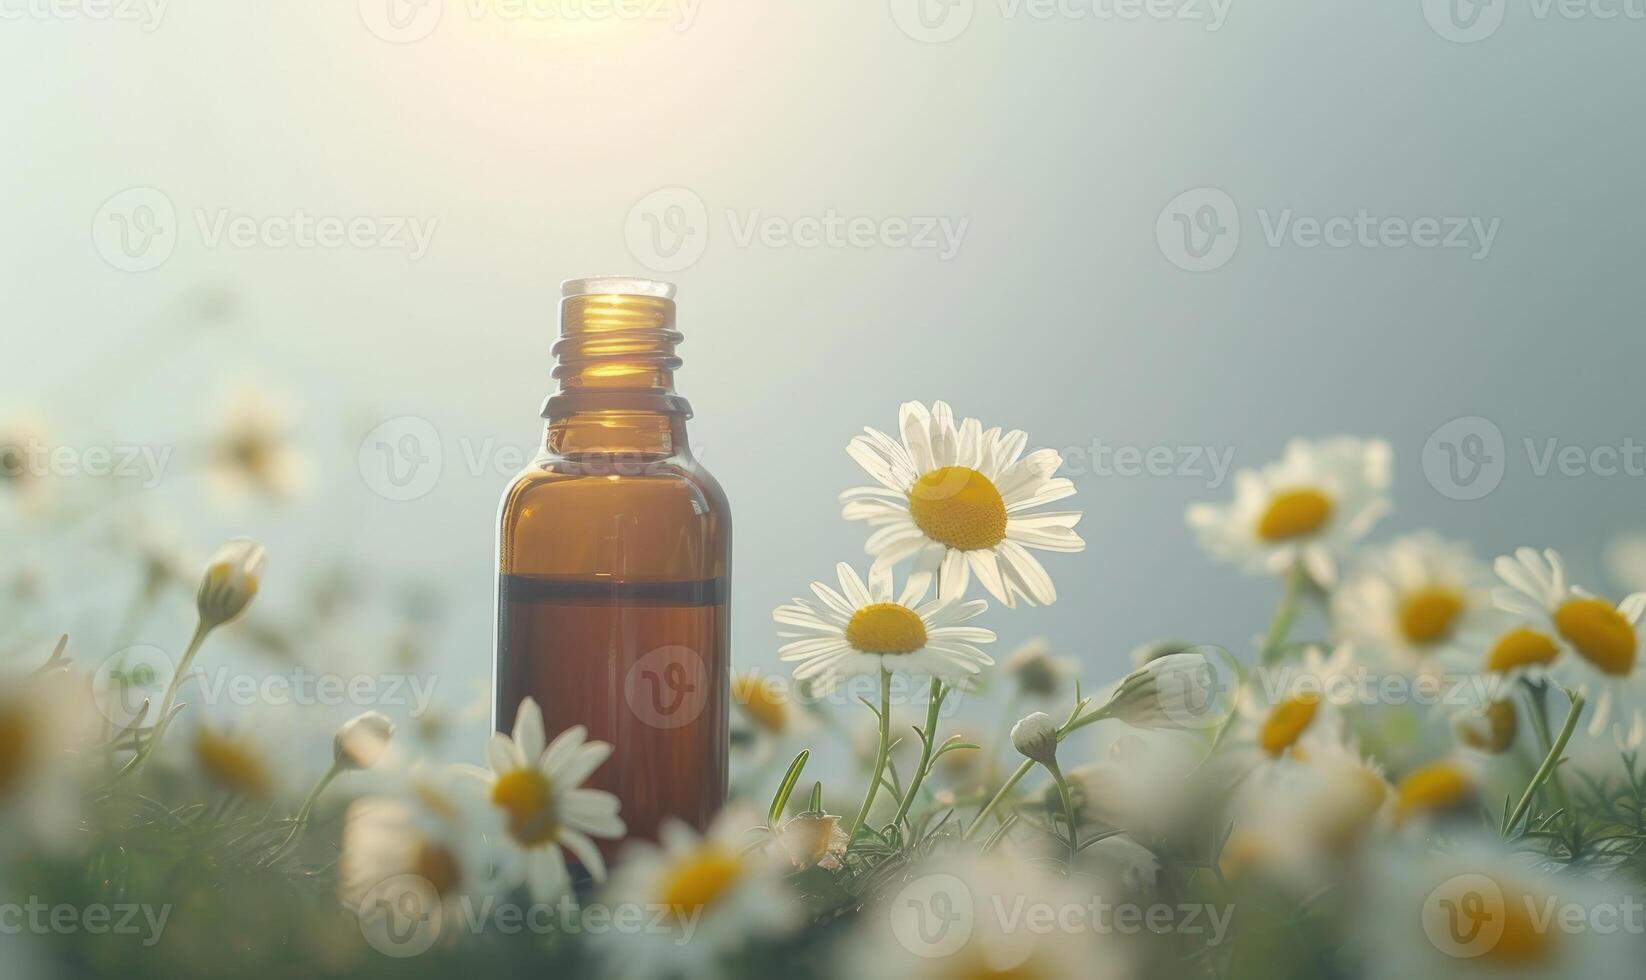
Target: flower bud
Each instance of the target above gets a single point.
(1178, 690)
(230, 581)
(362, 742)
(1036, 737)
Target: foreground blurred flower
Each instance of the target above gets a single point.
(955, 920)
(1306, 509)
(252, 452)
(1605, 639)
(46, 721)
(864, 630)
(1413, 601)
(426, 827)
(1481, 911)
(961, 500)
(535, 790)
(705, 896)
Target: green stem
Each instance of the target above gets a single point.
(163, 719)
(880, 756)
(1549, 761)
(934, 701)
(994, 801)
(1068, 811)
(307, 811)
(1285, 614)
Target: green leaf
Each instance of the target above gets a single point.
(781, 800)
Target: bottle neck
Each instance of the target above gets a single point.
(615, 365)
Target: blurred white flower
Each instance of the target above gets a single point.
(46, 721)
(1489, 728)
(1626, 561)
(706, 897)
(25, 448)
(251, 453)
(864, 629)
(1448, 787)
(1308, 508)
(1040, 675)
(961, 501)
(1179, 690)
(1414, 601)
(1283, 704)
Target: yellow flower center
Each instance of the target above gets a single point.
(1286, 722)
(763, 700)
(698, 879)
(1434, 787)
(1294, 514)
(958, 507)
(886, 627)
(233, 764)
(438, 866)
(1598, 632)
(528, 799)
(1521, 647)
(1522, 941)
(1428, 615)
(16, 737)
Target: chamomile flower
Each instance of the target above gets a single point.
(765, 702)
(1283, 704)
(1039, 674)
(863, 629)
(535, 789)
(1481, 912)
(1415, 601)
(1446, 787)
(1604, 640)
(1306, 824)
(424, 830)
(962, 501)
(249, 758)
(706, 896)
(1308, 508)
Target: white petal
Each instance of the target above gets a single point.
(528, 730)
(852, 587)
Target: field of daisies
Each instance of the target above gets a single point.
(1427, 767)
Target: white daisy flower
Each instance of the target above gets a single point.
(1303, 825)
(1481, 912)
(1320, 498)
(863, 629)
(252, 452)
(1605, 640)
(1417, 600)
(704, 898)
(535, 788)
(961, 500)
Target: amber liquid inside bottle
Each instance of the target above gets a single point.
(614, 554)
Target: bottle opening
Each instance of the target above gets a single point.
(616, 286)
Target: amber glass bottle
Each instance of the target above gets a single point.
(614, 561)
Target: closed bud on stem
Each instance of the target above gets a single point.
(1178, 690)
(363, 741)
(231, 581)
(1036, 738)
